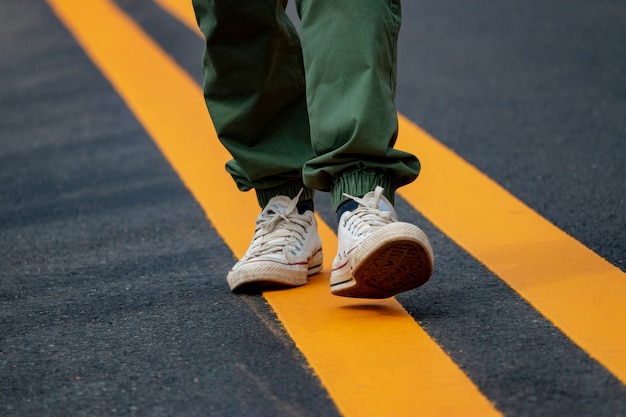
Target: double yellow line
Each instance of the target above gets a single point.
(372, 357)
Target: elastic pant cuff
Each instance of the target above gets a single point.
(290, 189)
(358, 183)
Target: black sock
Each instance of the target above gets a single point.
(349, 205)
(305, 205)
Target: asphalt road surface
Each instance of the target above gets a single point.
(113, 299)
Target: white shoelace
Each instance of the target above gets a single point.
(278, 230)
(367, 217)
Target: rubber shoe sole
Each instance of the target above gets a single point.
(389, 265)
(256, 277)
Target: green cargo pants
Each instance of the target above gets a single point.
(315, 110)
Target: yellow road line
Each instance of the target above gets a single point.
(574, 288)
(571, 286)
(372, 357)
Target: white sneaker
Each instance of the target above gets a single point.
(285, 250)
(378, 256)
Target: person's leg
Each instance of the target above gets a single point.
(255, 92)
(350, 64)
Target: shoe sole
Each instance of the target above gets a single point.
(399, 260)
(255, 280)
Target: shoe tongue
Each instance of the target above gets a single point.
(382, 204)
(277, 204)
(377, 201)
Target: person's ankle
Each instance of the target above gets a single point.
(349, 205)
(304, 206)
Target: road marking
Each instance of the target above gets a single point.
(578, 291)
(371, 356)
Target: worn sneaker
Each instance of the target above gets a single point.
(285, 250)
(377, 255)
